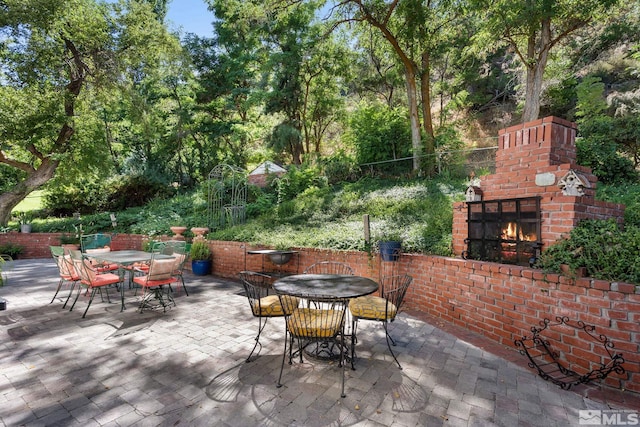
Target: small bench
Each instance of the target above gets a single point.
(547, 361)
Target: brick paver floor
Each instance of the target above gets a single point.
(186, 367)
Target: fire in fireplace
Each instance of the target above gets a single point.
(506, 230)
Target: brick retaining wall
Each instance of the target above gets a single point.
(499, 301)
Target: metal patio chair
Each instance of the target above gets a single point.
(6, 265)
(156, 283)
(383, 308)
(264, 304)
(321, 325)
(180, 256)
(66, 271)
(95, 244)
(329, 267)
(91, 279)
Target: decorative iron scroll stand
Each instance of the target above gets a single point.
(547, 361)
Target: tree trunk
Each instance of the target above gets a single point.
(35, 180)
(535, 72)
(533, 92)
(412, 97)
(410, 76)
(425, 91)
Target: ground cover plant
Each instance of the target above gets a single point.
(331, 217)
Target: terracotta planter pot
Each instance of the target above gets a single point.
(177, 232)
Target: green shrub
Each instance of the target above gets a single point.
(130, 191)
(11, 249)
(200, 250)
(340, 167)
(379, 133)
(600, 246)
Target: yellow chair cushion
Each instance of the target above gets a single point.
(315, 323)
(270, 306)
(371, 307)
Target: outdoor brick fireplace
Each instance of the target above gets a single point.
(537, 194)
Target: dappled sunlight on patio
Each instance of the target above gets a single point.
(188, 366)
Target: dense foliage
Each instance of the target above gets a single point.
(108, 112)
(600, 247)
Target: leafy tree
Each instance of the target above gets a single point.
(533, 29)
(602, 137)
(419, 34)
(377, 68)
(56, 53)
(379, 134)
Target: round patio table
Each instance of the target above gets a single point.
(334, 285)
(325, 285)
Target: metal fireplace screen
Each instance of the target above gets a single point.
(506, 230)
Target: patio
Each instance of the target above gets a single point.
(187, 367)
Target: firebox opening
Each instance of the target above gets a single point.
(506, 230)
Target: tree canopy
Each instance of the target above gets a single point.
(100, 95)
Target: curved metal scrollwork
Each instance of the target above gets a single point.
(547, 361)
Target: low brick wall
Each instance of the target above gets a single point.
(36, 245)
(499, 301)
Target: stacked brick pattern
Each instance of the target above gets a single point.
(36, 245)
(545, 146)
(499, 301)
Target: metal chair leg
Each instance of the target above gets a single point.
(93, 293)
(354, 326)
(57, 290)
(261, 326)
(284, 356)
(386, 332)
(73, 285)
(76, 298)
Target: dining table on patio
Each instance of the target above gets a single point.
(333, 285)
(124, 259)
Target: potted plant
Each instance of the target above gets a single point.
(70, 241)
(200, 258)
(25, 222)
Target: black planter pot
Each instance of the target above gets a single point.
(201, 267)
(390, 250)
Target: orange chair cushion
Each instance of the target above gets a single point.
(161, 269)
(102, 280)
(372, 307)
(145, 282)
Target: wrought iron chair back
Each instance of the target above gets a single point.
(393, 289)
(180, 254)
(168, 247)
(6, 265)
(321, 324)
(94, 241)
(329, 267)
(383, 308)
